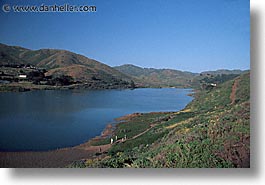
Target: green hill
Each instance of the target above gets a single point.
(151, 77)
(223, 71)
(213, 131)
(61, 62)
(158, 77)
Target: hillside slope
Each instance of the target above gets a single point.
(213, 131)
(61, 62)
(223, 71)
(158, 77)
(151, 77)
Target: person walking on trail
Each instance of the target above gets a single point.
(111, 141)
(116, 137)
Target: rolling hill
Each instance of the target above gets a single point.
(92, 74)
(62, 62)
(158, 77)
(151, 77)
(223, 71)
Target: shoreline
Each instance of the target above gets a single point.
(62, 157)
(25, 87)
(56, 158)
(95, 147)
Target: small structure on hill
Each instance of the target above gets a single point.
(22, 76)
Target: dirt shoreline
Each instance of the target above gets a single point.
(59, 158)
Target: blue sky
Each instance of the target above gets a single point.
(190, 35)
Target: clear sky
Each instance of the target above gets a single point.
(190, 35)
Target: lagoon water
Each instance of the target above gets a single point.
(45, 120)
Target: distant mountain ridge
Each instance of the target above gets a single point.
(224, 71)
(158, 77)
(99, 75)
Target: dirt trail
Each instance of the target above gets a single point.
(233, 93)
(151, 126)
(138, 135)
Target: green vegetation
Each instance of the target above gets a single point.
(213, 131)
(64, 67)
(102, 141)
(150, 77)
(243, 94)
(91, 74)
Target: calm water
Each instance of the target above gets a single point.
(44, 120)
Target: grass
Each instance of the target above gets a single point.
(143, 140)
(138, 124)
(209, 133)
(99, 142)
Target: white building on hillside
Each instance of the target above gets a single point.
(22, 76)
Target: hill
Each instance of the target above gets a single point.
(65, 63)
(158, 77)
(213, 131)
(53, 67)
(151, 77)
(223, 71)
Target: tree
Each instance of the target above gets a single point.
(132, 84)
(61, 80)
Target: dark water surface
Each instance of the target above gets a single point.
(44, 120)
